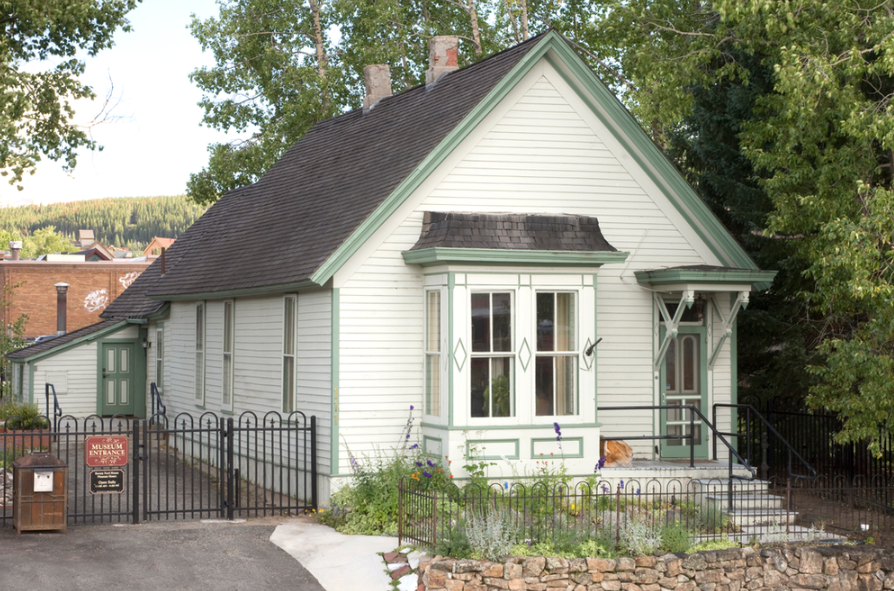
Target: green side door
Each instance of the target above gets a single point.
(118, 371)
(683, 383)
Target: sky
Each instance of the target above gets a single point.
(156, 139)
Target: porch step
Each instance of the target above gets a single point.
(761, 517)
(796, 533)
(718, 486)
(747, 501)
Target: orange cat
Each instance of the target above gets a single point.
(617, 454)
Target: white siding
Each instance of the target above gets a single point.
(314, 366)
(540, 151)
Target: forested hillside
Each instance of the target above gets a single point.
(125, 221)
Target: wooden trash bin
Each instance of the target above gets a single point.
(45, 508)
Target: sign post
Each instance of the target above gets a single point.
(106, 452)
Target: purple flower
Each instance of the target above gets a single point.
(558, 428)
(637, 491)
(419, 464)
(622, 485)
(414, 446)
(408, 435)
(426, 474)
(605, 488)
(600, 464)
(430, 464)
(411, 407)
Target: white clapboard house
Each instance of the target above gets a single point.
(458, 249)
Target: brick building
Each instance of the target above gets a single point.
(93, 286)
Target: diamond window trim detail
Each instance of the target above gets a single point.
(460, 350)
(588, 359)
(524, 354)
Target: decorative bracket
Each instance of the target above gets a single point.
(672, 325)
(741, 302)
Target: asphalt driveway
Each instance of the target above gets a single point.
(159, 555)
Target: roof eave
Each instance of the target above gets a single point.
(427, 257)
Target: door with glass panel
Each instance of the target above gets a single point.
(117, 370)
(683, 376)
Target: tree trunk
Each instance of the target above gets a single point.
(524, 18)
(512, 20)
(473, 18)
(318, 38)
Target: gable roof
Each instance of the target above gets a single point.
(343, 179)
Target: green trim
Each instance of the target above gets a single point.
(100, 359)
(595, 364)
(139, 321)
(238, 293)
(200, 407)
(451, 284)
(703, 276)
(224, 411)
(486, 256)
(563, 455)
(161, 312)
(334, 313)
(515, 456)
(734, 373)
(550, 426)
(426, 439)
(624, 127)
(72, 344)
(701, 449)
(525, 354)
(142, 370)
(31, 382)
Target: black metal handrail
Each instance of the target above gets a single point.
(156, 405)
(750, 409)
(57, 410)
(693, 410)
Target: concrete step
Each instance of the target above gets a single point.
(716, 486)
(766, 535)
(757, 517)
(747, 501)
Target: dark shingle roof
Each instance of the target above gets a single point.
(44, 346)
(319, 192)
(512, 232)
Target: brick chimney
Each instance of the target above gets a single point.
(61, 308)
(15, 247)
(443, 53)
(378, 84)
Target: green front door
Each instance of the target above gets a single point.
(118, 379)
(683, 377)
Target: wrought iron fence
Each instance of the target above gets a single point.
(676, 511)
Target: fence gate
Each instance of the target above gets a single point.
(181, 468)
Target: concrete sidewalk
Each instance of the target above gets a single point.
(337, 561)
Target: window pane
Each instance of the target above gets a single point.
(160, 344)
(479, 383)
(433, 322)
(227, 379)
(110, 391)
(546, 308)
(501, 387)
(122, 395)
(502, 322)
(543, 386)
(481, 322)
(110, 360)
(200, 328)
(565, 322)
(288, 327)
(288, 384)
(565, 388)
(123, 364)
(200, 375)
(690, 364)
(670, 364)
(228, 327)
(433, 384)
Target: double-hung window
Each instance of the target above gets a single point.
(492, 356)
(200, 355)
(555, 388)
(290, 309)
(433, 352)
(228, 343)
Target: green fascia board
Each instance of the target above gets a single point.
(160, 313)
(616, 118)
(722, 276)
(485, 256)
(239, 293)
(71, 345)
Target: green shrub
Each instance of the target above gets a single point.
(491, 532)
(26, 417)
(675, 538)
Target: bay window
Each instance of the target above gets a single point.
(555, 387)
(433, 353)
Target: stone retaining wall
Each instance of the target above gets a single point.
(836, 568)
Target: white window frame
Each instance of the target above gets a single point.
(228, 395)
(160, 356)
(201, 346)
(289, 389)
(573, 353)
(512, 354)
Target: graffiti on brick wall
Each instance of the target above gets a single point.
(128, 279)
(96, 300)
